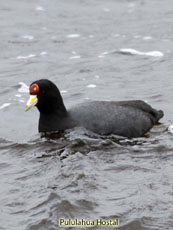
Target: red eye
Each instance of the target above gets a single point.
(34, 89)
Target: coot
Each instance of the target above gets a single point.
(124, 118)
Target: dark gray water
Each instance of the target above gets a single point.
(98, 50)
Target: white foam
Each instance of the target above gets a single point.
(29, 37)
(5, 105)
(155, 54)
(91, 86)
(147, 38)
(63, 91)
(18, 95)
(136, 52)
(131, 51)
(40, 8)
(116, 35)
(43, 53)
(21, 101)
(105, 53)
(97, 76)
(73, 35)
(102, 55)
(26, 57)
(170, 128)
(75, 57)
(24, 88)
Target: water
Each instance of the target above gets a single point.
(98, 50)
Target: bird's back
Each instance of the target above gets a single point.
(126, 118)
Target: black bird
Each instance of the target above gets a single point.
(124, 118)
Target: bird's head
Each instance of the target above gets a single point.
(45, 95)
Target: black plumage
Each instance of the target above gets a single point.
(124, 118)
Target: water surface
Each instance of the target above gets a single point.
(97, 50)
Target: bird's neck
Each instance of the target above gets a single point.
(55, 121)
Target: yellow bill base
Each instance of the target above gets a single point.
(31, 102)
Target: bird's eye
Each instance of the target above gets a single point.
(34, 89)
